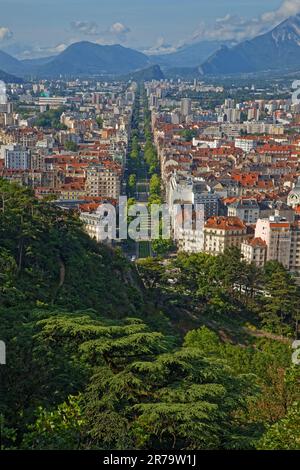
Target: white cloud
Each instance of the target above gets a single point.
(105, 41)
(41, 51)
(236, 28)
(119, 28)
(161, 47)
(286, 9)
(59, 48)
(84, 27)
(117, 32)
(5, 33)
(231, 28)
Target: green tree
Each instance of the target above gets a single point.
(99, 121)
(178, 401)
(155, 185)
(162, 247)
(188, 134)
(132, 184)
(284, 435)
(61, 429)
(281, 304)
(71, 146)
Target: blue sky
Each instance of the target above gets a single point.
(43, 27)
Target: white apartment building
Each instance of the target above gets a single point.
(246, 144)
(186, 107)
(231, 115)
(276, 233)
(189, 234)
(17, 158)
(53, 102)
(94, 225)
(190, 240)
(254, 251)
(188, 190)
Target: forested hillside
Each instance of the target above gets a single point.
(103, 354)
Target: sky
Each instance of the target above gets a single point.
(37, 28)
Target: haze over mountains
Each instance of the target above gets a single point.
(82, 58)
(189, 55)
(278, 49)
(10, 65)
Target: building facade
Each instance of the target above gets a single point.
(18, 158)
(254, 252)
(276, 233)
(224, 232)
(103, 181)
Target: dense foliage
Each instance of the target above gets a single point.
(187, 353)
(50, 119)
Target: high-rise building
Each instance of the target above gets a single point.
(186, 107)
(17, 158)
(276, 232)
(153, 101)
(103, 181)
(229, 103)
(232, 115)
(253, 114)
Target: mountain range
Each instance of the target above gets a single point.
(279, 50)
(9, 78)
(86, 58)
(189, 55)
(92, 59)
(82, 58)
(153, 72)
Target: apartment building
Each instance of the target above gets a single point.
(276, 232)
(295, 249)
(204, 195)
(245, 209)
(224, 232)
(190, 236)
(53, 102)
(103, 181)
(17, 158)
(254, 251)
(247, 144)
(189, 190)
(95, 225)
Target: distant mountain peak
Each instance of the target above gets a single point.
(88, 58)
(189, 55)
(289, 30)
(153, 72)
(278, 49)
